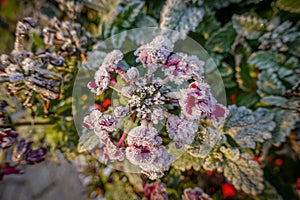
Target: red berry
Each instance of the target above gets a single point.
(228, 190)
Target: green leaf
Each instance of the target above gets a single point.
(269, 193)
(220, 3)
(285, 122)
(289, 5)
(274, 100)
(265, 60)
(180, 16)
(222, 40)
(294, 47)
(269, 84)
(130, 12)
(249, 26)
(208, 26)
(247, 99)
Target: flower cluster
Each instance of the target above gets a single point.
(146, 104)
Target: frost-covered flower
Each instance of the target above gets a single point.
(143, 150)
(197, 102)
(101, 81)
(156, 190)
(180, 67)
(195, 194)
(154, 53)
(110, 62)
(181, 130)
(146, 103)
(91, 119)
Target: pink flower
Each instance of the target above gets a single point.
(154, 53)
(181, 130)
(143, 151)
(197, 102)
(101, 81)
(180, 67)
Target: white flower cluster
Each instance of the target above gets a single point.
(146, 103)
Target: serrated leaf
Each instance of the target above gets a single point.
(274, 100)
(221, 40)
(289, 5)
(130, 12)
(248, 26)
(269, 84)
(265, 60)
(247, 127)
(285, 122)
(180, 16)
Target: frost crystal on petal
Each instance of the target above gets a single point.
(180, 67)
(181, 130)
(90, 119)
(111, 60)
(197, 102)
(154, 53)
(101, 81)
(143, 151)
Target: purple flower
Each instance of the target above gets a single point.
(181, 130)
(111, 60)
(101, 81)
(197, 102)
(180, 67)
(112, 152)
(90, 120)
(143, 151)
(36, 156)
(155, 191)
(154, 53)
(106, 123)
(7, 138)
(24, 154)
(195, 194)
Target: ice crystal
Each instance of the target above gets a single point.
(248, 127)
